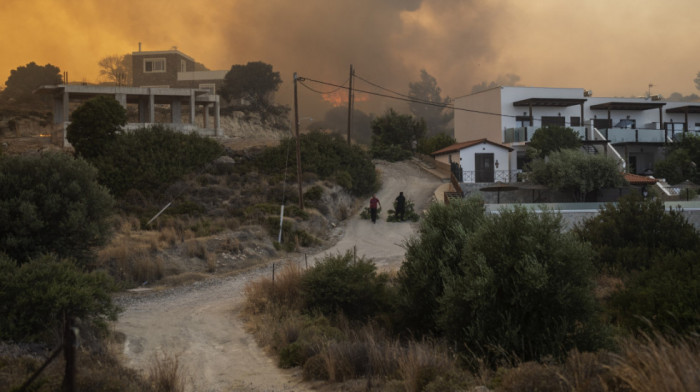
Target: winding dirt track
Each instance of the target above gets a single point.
(200, 325)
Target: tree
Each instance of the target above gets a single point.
(95, 124)
(22, 81)
(38, 295)
(629, 234)
(51, 203)
(435, 113)
(502, 80)
(341, 284)
(681, 162)
(254, 82)
(430, 256)
(576, 172)
(116, 68)
(531, 298)
(429, 145)
(394, 135)
(549, 139)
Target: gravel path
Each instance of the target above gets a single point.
(199, 323)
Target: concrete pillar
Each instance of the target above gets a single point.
(143, 109)
(121, 98)
(217, 117)
(192, 107)
(65, 116)
(206, 114)
(151, 107)
(176, 111)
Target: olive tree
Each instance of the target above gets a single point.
(576, 172)
(51, 203)
(550, 139)
(95, 124)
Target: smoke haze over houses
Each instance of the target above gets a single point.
(613, 48)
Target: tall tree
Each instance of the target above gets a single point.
(116, 68)
(681, 162)
(25, 79)
(254, 82)
(431, 107)
(394, 135)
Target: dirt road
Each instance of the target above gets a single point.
(199, 324)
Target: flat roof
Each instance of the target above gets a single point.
(684, 109)
(133, 94)
(621, 105)
(161, 52)
(556, 102)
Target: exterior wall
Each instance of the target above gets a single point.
(445, 159)
(470, 125)
(200, 79)
(514, 94)
(173, 65)
(467, 157)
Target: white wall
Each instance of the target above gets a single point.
(500, 154)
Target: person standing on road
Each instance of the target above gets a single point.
(400, 206)
(373, 202)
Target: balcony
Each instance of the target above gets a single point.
(524, 134)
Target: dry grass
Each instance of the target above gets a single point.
(183, 279)
(166, 374)
(265, 294)
(656, 364)
(132, 258)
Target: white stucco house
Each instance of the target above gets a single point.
(479, 161)
(634, 130)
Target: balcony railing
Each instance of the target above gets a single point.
(471, 176)
(524, 134)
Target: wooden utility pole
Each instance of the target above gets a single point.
(350, 104)
(296, 130)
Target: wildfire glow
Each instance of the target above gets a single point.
(340, 98)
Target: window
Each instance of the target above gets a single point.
(548, 121)
(208, 86)
(575, 121)
(154, 65)
(183, 66)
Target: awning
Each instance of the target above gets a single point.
(628, 105)
(684, 109)
(551, 102)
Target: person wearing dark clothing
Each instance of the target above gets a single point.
(373, 202)
(400, 206)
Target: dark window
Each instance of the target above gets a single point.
(575, 121)
(602, 123)
(553, 121)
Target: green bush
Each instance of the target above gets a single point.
(499, 285)
(51, 203)
(38, 295)
(431, 144)
(149, 159)
(339, 284)
(434, 251)
(629, 234)
(408, 215)
(664, 297)
(326, 155)
(94, 126)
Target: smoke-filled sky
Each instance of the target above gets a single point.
(615, 48)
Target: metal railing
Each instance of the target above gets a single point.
(470, 176)
(524, 134)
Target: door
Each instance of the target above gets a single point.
(483, 167)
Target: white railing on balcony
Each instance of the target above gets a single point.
(597, 135)
(524, 134)
(632, 135)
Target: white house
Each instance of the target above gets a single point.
(634, 130)
(478, 161)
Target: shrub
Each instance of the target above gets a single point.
(94, 126)
(408, 215)
(429, 255)
(434, 143)
(666, 296)
(339, 284)
(326, 155)
(148, 159)
(51, 203)
(39, 294)
(550, 139)
(629, 234)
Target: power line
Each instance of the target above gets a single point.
(406, 98)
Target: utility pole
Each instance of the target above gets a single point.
(296, 129)
(350, 104)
